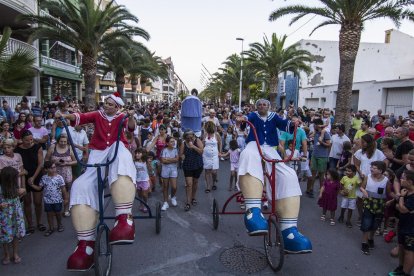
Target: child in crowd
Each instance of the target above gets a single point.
(326, 118)
(389, 211)
(169, 172)
(143, 180)
(144, 130)
(148, 142)
(405, 206)
(12, 223)
(345, 159)
(152, 168)
(12, 159)
(373, 188)
(349, 185)
(295, 157)
(328, 195)
(228, 137)
(234, 153)
(54, 195)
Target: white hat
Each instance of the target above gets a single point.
(117, 98)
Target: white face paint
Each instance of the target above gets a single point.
(262, 107)
(110, 107)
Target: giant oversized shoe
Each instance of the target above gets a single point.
(123, 231)
(82, 258)
(295, 242)
(255, 222)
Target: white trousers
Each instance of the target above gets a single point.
(287, 183)
(85, 187)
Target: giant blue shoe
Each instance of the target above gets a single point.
(255, 222)
(295, 242)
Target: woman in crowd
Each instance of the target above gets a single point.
(5, 134)
(62, 155)
(212, 150)
(363, 159)
(32, 156)
(191, 152)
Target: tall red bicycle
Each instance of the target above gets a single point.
(273, 241)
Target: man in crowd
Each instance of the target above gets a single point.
(40, 134)
(319, 163)
(400, 158)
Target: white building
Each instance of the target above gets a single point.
(383, 77)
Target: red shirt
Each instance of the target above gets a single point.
(106, 132)
(380, 128)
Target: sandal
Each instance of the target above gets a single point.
(60, 228)
(30, 231)
(332, 222)
(214, 187)
(187, 207)
(194, 202)
(41, 227)
(66, 214)
(17, 260)
(5, 261)
(48, 233)
(207, 191)
(322, 218)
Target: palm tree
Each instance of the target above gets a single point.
(271, 58)
(351, 16)
(16, 71)
(231, 75)
(121, 60)
(87, 27)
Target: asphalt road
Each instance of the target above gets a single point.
(188, 245)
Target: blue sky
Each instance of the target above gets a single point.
(195, 32)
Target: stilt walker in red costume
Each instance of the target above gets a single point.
(84, 202)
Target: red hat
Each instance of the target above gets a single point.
(117, 98)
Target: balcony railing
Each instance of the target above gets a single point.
(23, 6)
(60, 65)
(14, 44)
(45, 13)
(110, 76)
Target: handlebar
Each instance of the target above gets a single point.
(97, 164)
(260, 149)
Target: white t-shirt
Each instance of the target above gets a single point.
(337, 144)
(292, 163)
(214, 120)
(142, 171)
(365, 166)
(39, 133)
(79, 138)
(138, 117)
(328, 122)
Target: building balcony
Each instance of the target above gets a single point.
(13, 45)
(57, 64)
(21, 6)
(45, 13)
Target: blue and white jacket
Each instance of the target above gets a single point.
(267, 130)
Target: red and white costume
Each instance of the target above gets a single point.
(85, 188)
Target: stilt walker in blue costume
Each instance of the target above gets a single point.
(191, 113)
(251, 180)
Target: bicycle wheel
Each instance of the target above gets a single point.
(158, 218)
(215, 214)
(273, 245)
(103, 252)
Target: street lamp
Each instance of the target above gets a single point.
(241, 73)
